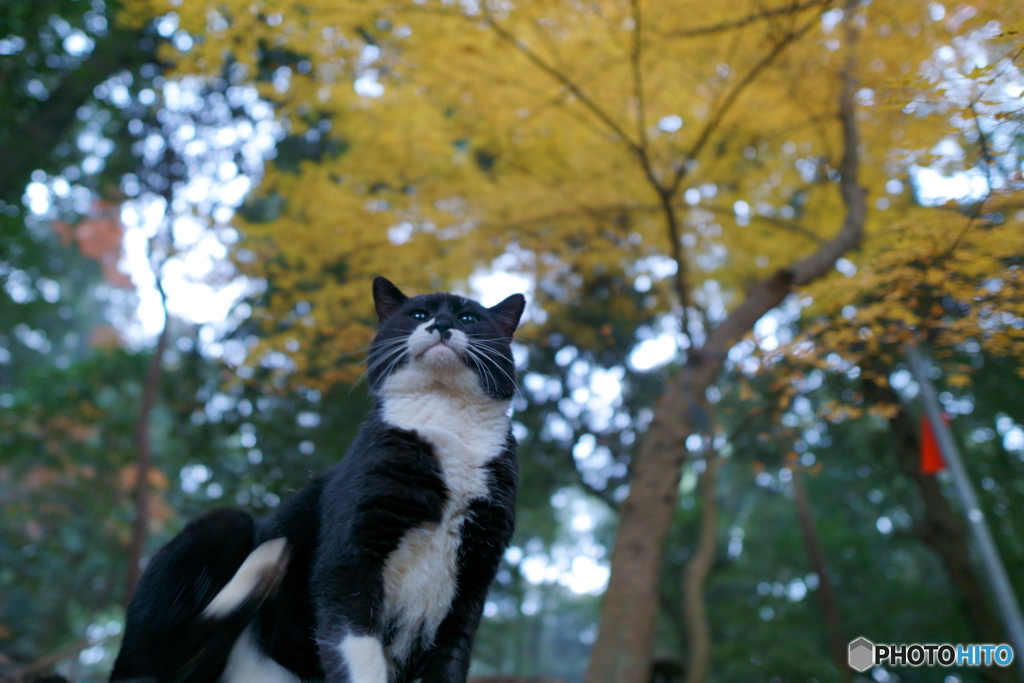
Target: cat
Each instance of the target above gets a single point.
(377, 570)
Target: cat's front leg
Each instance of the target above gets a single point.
(364, 518)
(485, 535)
(448, 660)
(348, 590)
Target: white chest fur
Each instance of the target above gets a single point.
(467, 429)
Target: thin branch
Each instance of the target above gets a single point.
(666, 206)
(603, 212)
(144, 462)
(730, 99)
(150, 392)
(695, 574)
(665, 194)
(745, 424)
(720, 27)
(679, 256)
(705, 321)
(835, 641)
(790, 226)
(571, 86)
(720, 93)
(55, 657)
(639, 149)
(854, 196)
(545, 37)
(1011, 62)
(987, 161)
(638, 83)
(986, 154)
(604, 494)
(580, 212)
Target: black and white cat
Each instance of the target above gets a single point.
(377, 570)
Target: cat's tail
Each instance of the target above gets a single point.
(197, 595)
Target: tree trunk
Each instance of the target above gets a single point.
(622, 653)
(140, 526)
(696, 573)
(835, 638)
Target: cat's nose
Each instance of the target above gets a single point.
(442, 326)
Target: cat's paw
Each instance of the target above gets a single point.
(257, 578)
(364, 657)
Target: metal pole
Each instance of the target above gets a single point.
(1006, 601)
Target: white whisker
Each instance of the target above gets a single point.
(389, 356)
(486, 370)
(479, 365)
(393, 364)
(490, 357)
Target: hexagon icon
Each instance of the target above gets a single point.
(861, 655)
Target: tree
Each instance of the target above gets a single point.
(581, 139)
(76, 95)
(950, 281)
(67, 456)
(54, 55)
(872, 525)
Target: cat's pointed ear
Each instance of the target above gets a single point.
(508, 312)
(386, 298)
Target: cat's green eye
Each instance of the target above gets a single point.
(468, 318)
(418, 315)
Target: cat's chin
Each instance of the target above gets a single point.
(431, 372)
(441, 355)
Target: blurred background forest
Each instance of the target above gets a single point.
(729, 219)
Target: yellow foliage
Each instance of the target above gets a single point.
(949, 280)
(566, 132)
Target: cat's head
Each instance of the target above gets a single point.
(444, 338)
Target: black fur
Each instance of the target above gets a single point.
(340, 528)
